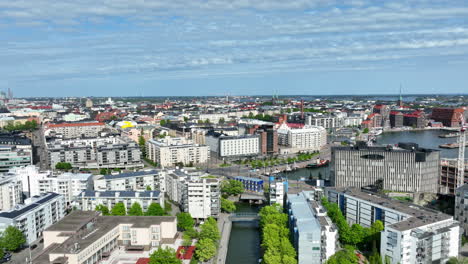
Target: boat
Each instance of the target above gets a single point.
(288, 168)
(318, 164)
(449, 135)
(450, 146)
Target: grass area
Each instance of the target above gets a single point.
(224, 165)
(278, 161)
(403, 198)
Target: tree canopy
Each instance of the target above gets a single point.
(118, 209)
(63, 166)
(164, 256)
(12, 238)
(227, 205)
(344, 256)
(103, 209)
(135, 210)
(232, 187)
(185, 221)
(155, 209)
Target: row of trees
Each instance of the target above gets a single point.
(65, 166)
(154, 209)
(227, 206)
(11, 239)
(275, 236)
(355, 236)
(277, 161)
(27, 126)
(263, 117)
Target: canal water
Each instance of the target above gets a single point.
(244, 243)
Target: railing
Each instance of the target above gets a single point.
(244, 217)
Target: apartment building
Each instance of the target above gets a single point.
(250, 183)
(37, 214)
(448, 180)
(277, 190)
(10, 192)
(308, 138)
(169, 151)
(403, 168)
(268, 137)
(327, 122)
(14, 151)
(461, 207)
(93, 153)
(314, 234)
(412, 234)
(84, 237)
(233, 146)
(29, 175)
(90, 199)
(128, 181)
(196, 193)
(74, 130)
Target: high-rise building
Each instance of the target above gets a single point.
(10, 192)
(403, 168)
(412, 234)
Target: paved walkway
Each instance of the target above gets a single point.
(224, 225)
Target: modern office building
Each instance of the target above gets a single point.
(93, 153)
(14, 151)
(412, 234)
(10, 192)
(402, 168)
(131, 181)
(195, 192)
(268, 137)
(233, 146)
(169, 151)
(37, 214)
(251, 184)
(84, 237)
(308, 138)
(74, 130)
(90, 199)
(314, 234)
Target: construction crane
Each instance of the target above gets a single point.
(461, 151)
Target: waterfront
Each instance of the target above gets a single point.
(244, 243)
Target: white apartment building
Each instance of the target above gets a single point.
(90, 199)
(196, 193)
(14, 151)
(309, 138)
(10, 192)
(84, 237)
(315, 236)
(37, 214)
(93, 153)
(233, 146)
(168, 151)
(35, 183)
(277, 192)
(74, 130)
(412, 234)
(136, 181)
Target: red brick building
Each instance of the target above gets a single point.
(450, 117)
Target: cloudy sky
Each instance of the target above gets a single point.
(219, 47)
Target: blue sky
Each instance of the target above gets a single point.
(219, 47)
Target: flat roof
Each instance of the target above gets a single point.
(36, 203)
(130, 174)
(91, 193)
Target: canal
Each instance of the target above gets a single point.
(244, 243)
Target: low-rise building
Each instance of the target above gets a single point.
(251, 184)
(90, 199)
(412, 234)
(277, 190)
(74, 130)
(37, 214)
(84, 237)
(314, 234)
(169, 151)
(128, 181)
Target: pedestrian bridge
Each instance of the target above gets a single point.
(244, 217)
(252, 197)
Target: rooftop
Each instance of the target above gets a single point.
(130, 174)
(36, 202)
(90, 193)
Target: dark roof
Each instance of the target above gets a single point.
(90, 193)
(15, 213)
(14, 140)
(130, 174)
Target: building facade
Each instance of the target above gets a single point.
(412, 234)
(131, 181)
(233, 146)
(308, 138)
(15, 151)
(90, 199)
(35, 215)
(406, 168)
(461, 207)
(74, 130)
(10, 192)
(169, 151)
(449, 117)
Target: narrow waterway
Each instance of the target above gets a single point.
(244, 243)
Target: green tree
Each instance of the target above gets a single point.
(155, 209)
(164, 256)
(187, 240)
(344, 256)
(207, 121)
(104, 171)
(135, 210)
(221, 121)
(185, 221)
(232, 187)
(12, 238)
(142, 144)
(2, 253)
(63, 166)
(163, 122)
(167, 207)
(148, 188)
(118, 209)
(209, 229)
(365, 131)
(227, 205)
(103, 209)
(205, 249)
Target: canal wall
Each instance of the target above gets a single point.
(225, 226)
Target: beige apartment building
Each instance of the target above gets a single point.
(85, 237)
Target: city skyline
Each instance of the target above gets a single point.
(128, 48)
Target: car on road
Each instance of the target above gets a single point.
(6, 257)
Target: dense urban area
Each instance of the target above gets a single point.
(234, 179)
